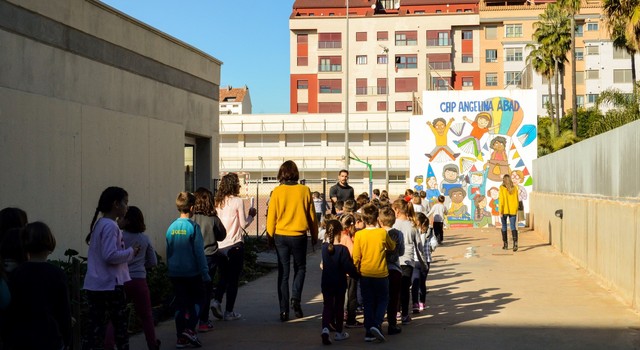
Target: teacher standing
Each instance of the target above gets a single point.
(290, 216)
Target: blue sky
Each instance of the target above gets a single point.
(250, 37)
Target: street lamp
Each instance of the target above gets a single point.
(261, 167)
(386, 131)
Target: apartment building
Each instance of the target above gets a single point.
(235, 100)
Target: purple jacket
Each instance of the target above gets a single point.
(107, 260)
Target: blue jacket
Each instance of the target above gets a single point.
(185, 250)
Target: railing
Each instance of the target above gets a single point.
(440, 65)
(367, 123)
(439, 42)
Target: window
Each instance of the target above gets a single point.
(303, 38)
(361, 86)
(404, 106)
(467, 58)
(329, 40)
(491, 33)
(438, 38)
(302, 49)
(622, 76)
(406, 84)
(592, 27)
(580, 100)
(303, 61)
(513, 54)
(382, 106)
(620, 54)
(330, 107)
(330, 86)
(303, 107)
(330, 64)
(361, 59)
(513, 78)
(580, 78)
(440, 83)
(382, 36)
(438, 11)
(592, 74)
(579, 30)
(303, 140)
(591, 98)
(467, 81)
(491, 79)
(303, 84)
(513, 30)
(361, 106)
(545, 100)
(443, 39)
(407, 38)
(593, 50)
(382, 59)
(579, 53)
(406, 61)
(491, 55)
(361, 36)
(439, 61)
(382, 86)
(467, 35)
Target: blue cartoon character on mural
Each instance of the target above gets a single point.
(451, 179)
(432, 186)
(418, 180)
(441, 152)
(477, 183)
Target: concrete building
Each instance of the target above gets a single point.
(91, 98)
(235, 100)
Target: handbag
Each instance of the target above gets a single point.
(433, 240)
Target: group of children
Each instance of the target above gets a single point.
(383, 250)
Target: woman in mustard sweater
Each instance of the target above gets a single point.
(290, 216)
(508, 207)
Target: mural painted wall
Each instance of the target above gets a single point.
(463, 145)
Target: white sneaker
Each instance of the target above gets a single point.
(231, 316)
(341, 336)
(216, 309)
(325, 336)
(377, 334)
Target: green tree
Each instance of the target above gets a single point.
(573, 7)
(550, 140)
(618, 15)
(585, 117)
(624, 110)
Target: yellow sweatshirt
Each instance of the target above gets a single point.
(369, 252)
(291, 212)
(508, 201)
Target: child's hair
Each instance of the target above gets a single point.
(12, 218)
(506, 182)
(37, 238)
(327, 217)
(134, 220)
(11, 246)
(376, 192)
(105, 204)
(405, 208)
(376, 202)
(347, 220)
(315, 194)
(350, 206)
(229, 186)
(369, 214)
(422, 222)
(333, 228)
(441, 198)
(204, 202)
(423, 194)
(408, 192)
(185, 202)
(362, 200)
(416, 199)
(339, 205)
(387, 216)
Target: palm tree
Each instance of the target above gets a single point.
(618, 14)
(551, 140)
(540, 59)
(625, 110)
(573, 7)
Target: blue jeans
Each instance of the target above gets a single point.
(287, 246)
(512, 222)
(375, 297)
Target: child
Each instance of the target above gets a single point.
(317, 203)
(107, 271)
(387, 218)
(40, 311)
(187, 269)
(339, 206)
(350, 206)
(369, 257)
(337, 263)
(437, 213)
(348, 222)
(405, 223)
(420, 272)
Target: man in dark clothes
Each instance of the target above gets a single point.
(341, 190)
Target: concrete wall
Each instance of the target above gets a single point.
(91, 98)
(595, 184)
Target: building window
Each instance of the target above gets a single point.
(467, 35)
(329, 40)
(513, 31)
(382, 106)
(621, 76)
(439, 61)
(491, 55)
(361, 59)
(579, 53)
(438, 38)
(404, 106)
(592, 27)
(382, 86)
(303, 38)
(467, 58)
(382, 59)
(303, 84)
(361, 86)
(303, 107)
(407, 38)
(406, 84)
(591, 98)
(303, 61)
(592, 74)
(580, 100)
(406, 61)
(440, 83)
(619, 54)
(579, 30)
(361, 36)
(330, 64)
(443, 39)
(382, 36)
(593, 50)
(361, 106)
(467, 81)
(580, 78)
(438, 11)
(545, 100)
(491, 79)
(491, 33)
(513, 54)
(330, 86)
(513, 78)
(330, 107)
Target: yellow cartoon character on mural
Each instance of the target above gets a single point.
(440, 129)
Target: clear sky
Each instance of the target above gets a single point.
(250, 37)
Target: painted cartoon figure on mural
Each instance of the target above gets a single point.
(418, 180)
(432, 190)
(494, 193)
(440, 129)
(477, 183)
(480, 126)
(458, 209)
(517, 177)
(451, 179)
(482, 217)
(498, 165)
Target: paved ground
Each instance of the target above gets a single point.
(532, 299)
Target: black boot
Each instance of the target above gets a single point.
(505, 245)
(514, 233)
(297, 310)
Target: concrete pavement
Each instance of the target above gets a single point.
(531, 299)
